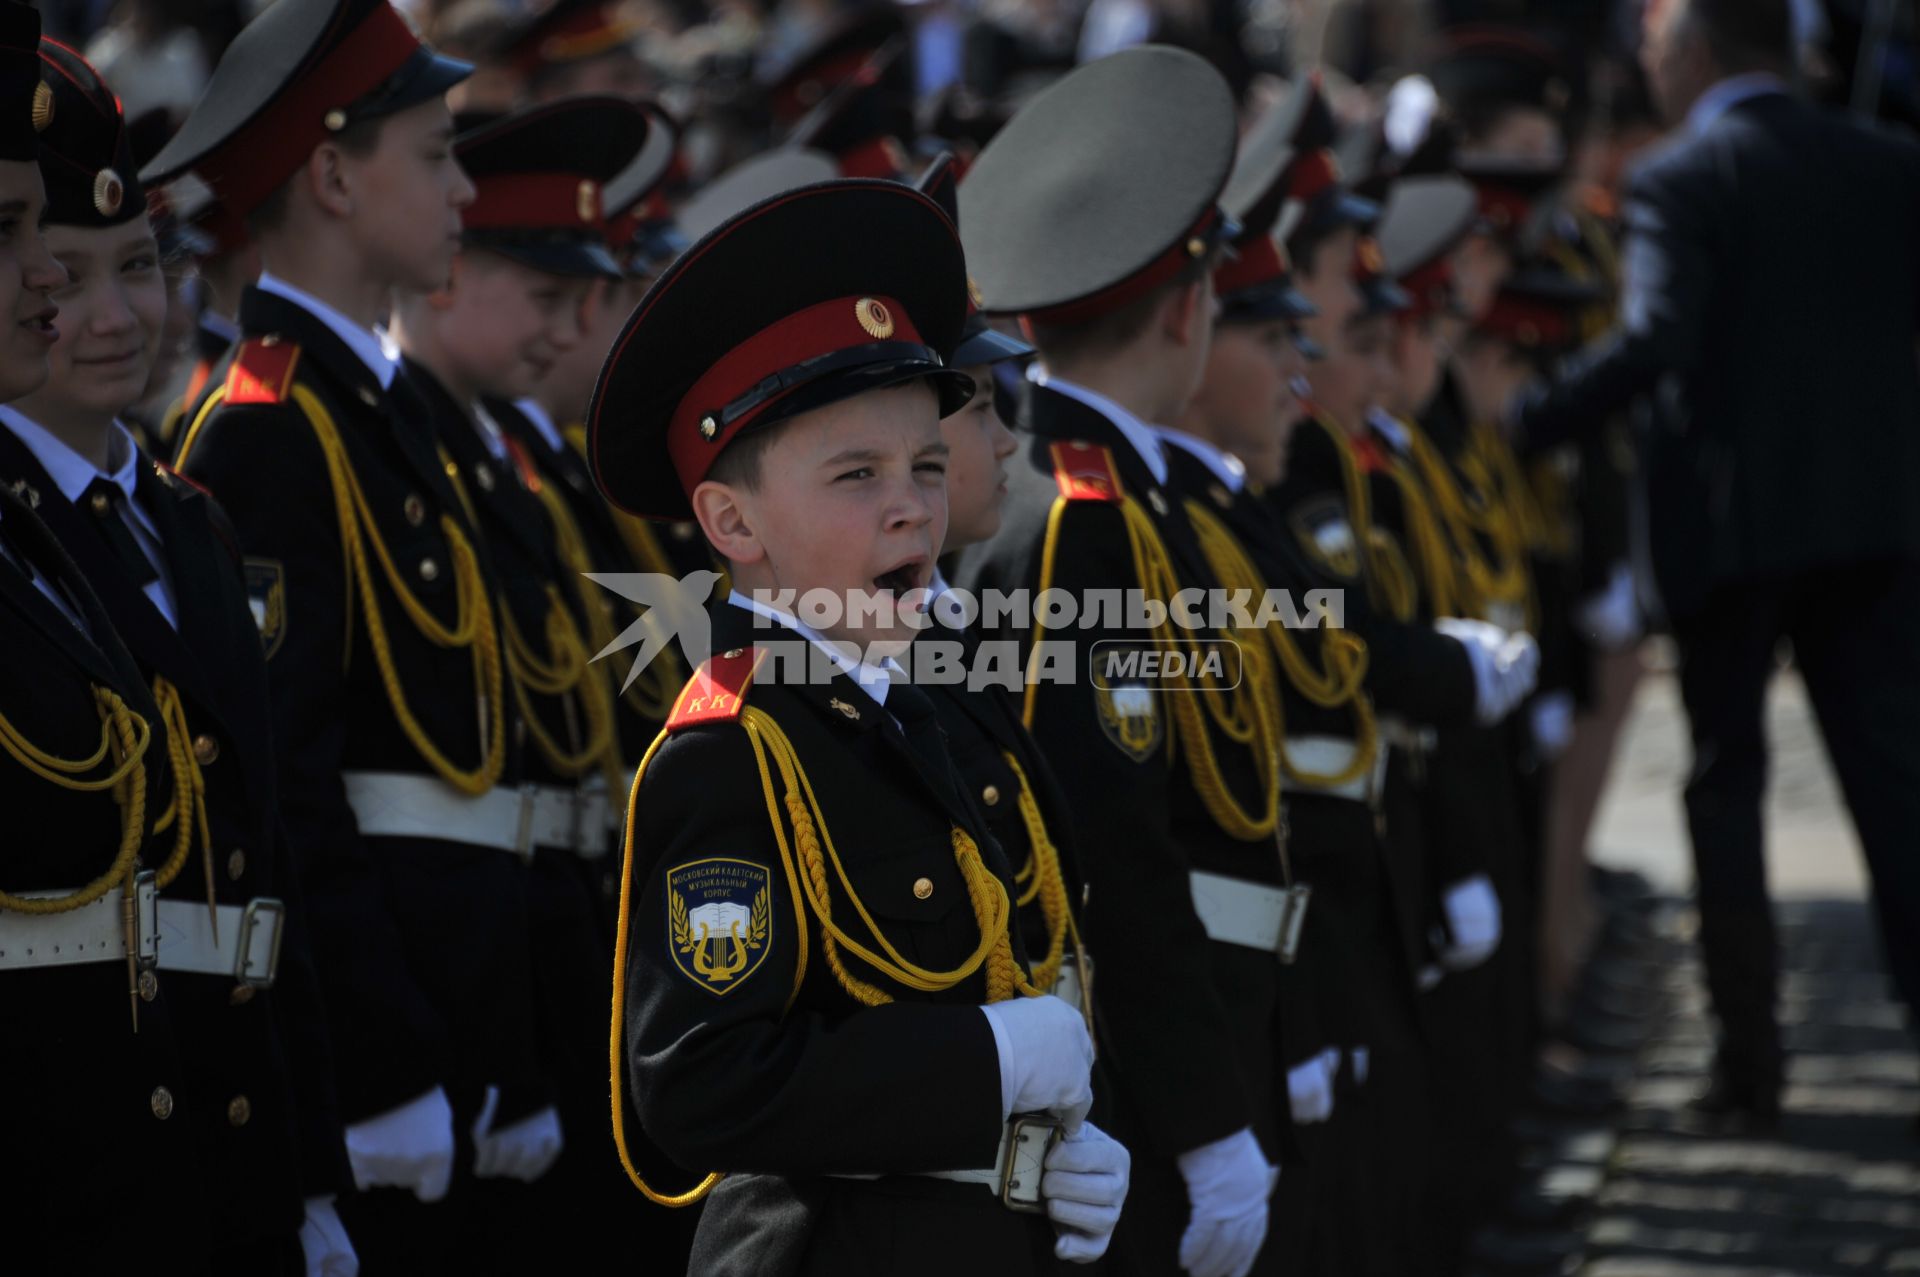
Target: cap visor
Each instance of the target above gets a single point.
(987, 346)
(1256, 305)
(422, 79)
(1383, 295)
(578, 260)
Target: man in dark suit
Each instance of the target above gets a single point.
(1773, 280)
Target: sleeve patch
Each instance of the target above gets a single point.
(719, 921)
(262, 372)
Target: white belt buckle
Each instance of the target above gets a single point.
(1030, 1137)
(146, 920)
(245, 970)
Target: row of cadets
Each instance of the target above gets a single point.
(324, 129)
(1094, 217)
(822, 992)
(161, 1069)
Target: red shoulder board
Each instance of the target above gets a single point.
(1367, 452)
(523, 462)
(717, 692)
(262, 371)
(1085, 472)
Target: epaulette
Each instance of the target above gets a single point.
(717, 692)
(1085, 472)
(262, 371)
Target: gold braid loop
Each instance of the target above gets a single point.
(1049, 883)
(567, 673)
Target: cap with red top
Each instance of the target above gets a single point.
(980, 342)
(1256, 283)
(301, 72)
(538, 177)
(24, 100)
(803, 300)
(1103, 187)
(1423, 221)
(86, 154)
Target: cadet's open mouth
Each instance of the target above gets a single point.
(909, 575)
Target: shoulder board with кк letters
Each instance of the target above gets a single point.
(717, 692)
(1085, 472)
(262, 371)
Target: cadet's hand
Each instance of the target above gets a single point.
(1310, 1090)
(1473, 924)
(1611, 617)
(1550, 718)
(1504, 665)
(408, 1147)
(1228, 1182)
(324, 1241)
(524, 1151)
(1046, 1058)
(1085, 1184)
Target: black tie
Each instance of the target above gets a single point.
(108, 503)
(920, 724)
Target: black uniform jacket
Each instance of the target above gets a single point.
(260, 1058)
(422, 943)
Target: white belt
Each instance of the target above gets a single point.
(1018, 1163)
(174, 935)
(1329, 756)
(404, 805)
(1401, 734)
(1068, 985)
(1236, 911)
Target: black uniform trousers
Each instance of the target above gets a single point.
(1852, 631)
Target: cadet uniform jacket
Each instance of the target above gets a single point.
(422, 942)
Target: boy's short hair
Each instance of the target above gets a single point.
(1116, 329)
(739, 464)
(359, 139)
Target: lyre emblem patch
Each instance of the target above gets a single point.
(719, 921)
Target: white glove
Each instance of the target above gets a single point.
(1046, 1058)
(324, 1241)
(1610, 617)
(407, 1147)
(1228, 1182)
(1473, 924)
(1504, 665)
(1310, 1091)
(524, 1151)
(1085, 1184)
(1551, 719)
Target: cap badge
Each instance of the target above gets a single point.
(42, 106)
(586, 200)
(1196, 247)
(852, 714)
(874, 317)
(1371, 257)
(108, 192)
(973, 291)
(709, 427)
(335, 120)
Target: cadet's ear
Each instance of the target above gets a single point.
(724, 520)
(326, 178)
(1179, 312)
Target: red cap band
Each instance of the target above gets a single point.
(1526, 322)
(1260, 262)
(587, 33)
(534, 201)
(253, 163)
(881, 157)
(1430, 287)
(696, 437)
(1186, 250)
(792, 101)
(1311, 174)
(1505, 209)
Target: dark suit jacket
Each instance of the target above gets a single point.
(1773, 281)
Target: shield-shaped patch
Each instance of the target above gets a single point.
(1126, 699)
(1323, 529)
(267, 596)
(719, 921)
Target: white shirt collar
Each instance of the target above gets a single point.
(1137, 432)
(942, 605)
(873, 679)
(1226, 467)
(1390, 427)
(536, 412)
(71, 472)
(372, 345)
(1729, 93)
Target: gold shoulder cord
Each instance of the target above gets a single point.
(473, 629)
(1343, 655)
(1042, 879)
(1480, 583)
(805, 861)
(1389, 578)
(124, 737)
(1240, 713)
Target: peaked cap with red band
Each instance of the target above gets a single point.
(836, 57)
(803, 300)
(640, 230)
(1424, 220)
(539, 176)
(1508, 191)
(568, 31)
(301, 72)
(1539, 308)
(980, 343)
(1256, 283)
(86, 153)
(1315, 179)
(1102, 188)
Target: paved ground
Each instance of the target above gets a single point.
(1837, 1191)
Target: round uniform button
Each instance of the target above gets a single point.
(922, 888)
(161, 1101)
(239, 1109)
(484, 477)
(990, 795)
(205, 749)
(149, 986)
(101, 503)
(241, 995)
(415, 509)
(429, 570)
(236, 863)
